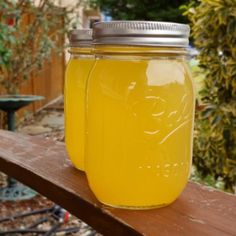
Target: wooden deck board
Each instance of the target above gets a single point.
(43, 165)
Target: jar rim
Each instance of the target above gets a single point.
(146, 33)
(80, 37)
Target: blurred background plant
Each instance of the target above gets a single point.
(214, 33)
(161, 10)
(30, 32)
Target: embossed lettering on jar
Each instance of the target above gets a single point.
(140, 114)
(77, 71)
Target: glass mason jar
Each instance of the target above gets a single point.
(77, 71)
(140, 114)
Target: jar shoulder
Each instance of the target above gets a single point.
(154, 71)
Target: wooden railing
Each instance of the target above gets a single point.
(44, 166)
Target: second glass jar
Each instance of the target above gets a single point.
(77, 71)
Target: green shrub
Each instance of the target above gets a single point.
(214, 33)
(29, 34)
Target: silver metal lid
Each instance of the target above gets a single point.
(80, 37)
(143, 33)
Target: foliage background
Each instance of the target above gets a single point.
(29, 35)
(214, 34)
(162, 10)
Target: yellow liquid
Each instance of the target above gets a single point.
(75, 91)
(140, 125)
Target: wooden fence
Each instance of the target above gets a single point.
(49, 82)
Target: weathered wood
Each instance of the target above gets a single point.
(43, 165)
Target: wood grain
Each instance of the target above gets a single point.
(43, 165)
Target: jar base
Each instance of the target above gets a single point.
(136, 207)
